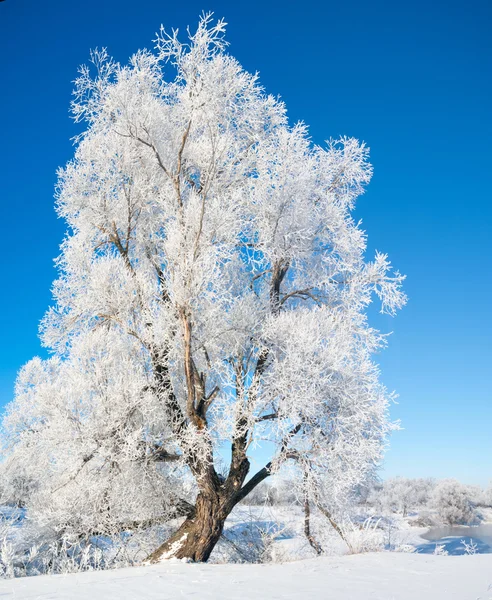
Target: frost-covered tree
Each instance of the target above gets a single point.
(487, 496)
(212, 295)
(400, 494)
(452, 501)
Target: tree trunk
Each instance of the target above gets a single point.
(307, 527)
(197, 536)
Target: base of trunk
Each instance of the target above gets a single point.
(197, 536)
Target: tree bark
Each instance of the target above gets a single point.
(198, 535)
(307, 526)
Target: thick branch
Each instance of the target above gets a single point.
(303, 294)
(279, 272)
(333, 523)
(253, 482)
(206, 402)
(269, 417)
(262, 474)
(194, 385)
(160, 365)
(239, 467)
(176, 178)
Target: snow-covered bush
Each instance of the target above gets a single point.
(451, 499)
(470, 547)
(440, 550)
(27, 549)
(365, 537)
(425, 518)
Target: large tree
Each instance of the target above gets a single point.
(212, 296)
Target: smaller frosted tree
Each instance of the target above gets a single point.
(212, 296)
(400, 494)
(452, 501)
(487, 496)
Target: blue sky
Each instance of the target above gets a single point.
(412, 79)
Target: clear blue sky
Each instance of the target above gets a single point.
(412, 79)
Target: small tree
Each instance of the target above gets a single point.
(487, 496)
(400, 494)
(212, 294)
(452, 502)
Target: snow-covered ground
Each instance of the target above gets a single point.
(381, 576)
(275, 535)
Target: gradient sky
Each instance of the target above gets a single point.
(412, 79)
